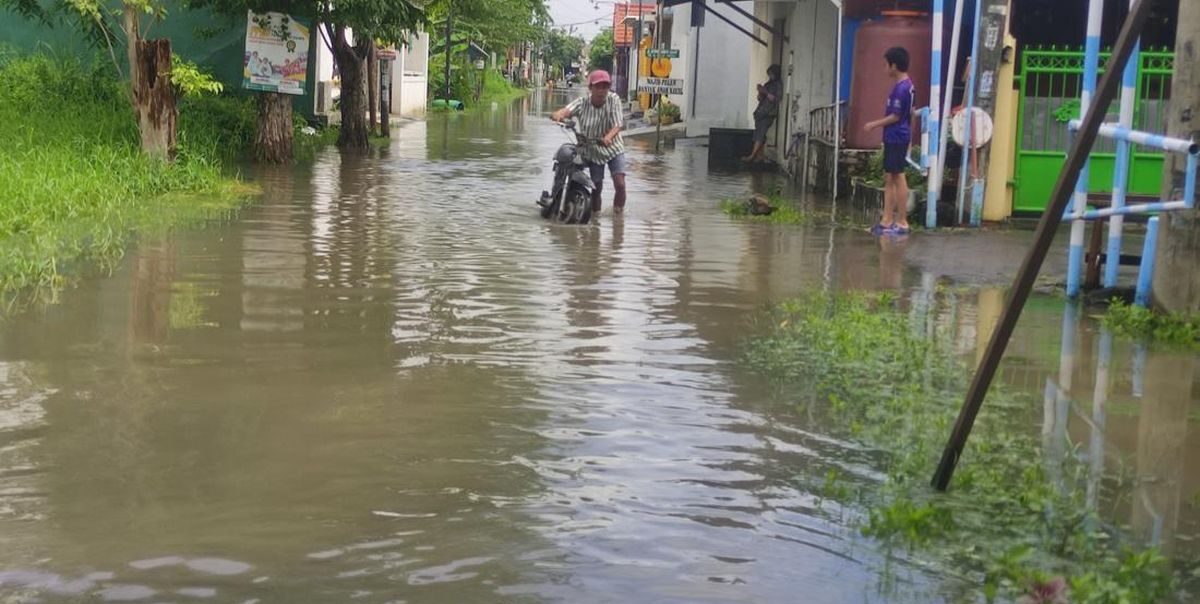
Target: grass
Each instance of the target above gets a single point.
(1173, 330)
(76, 186)
(496, 89)
(1006, 529)
(785, 211)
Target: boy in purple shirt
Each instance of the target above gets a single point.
(897, 135)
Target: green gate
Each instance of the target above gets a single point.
(1050, 83)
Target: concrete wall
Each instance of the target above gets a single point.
(411, 78)
(808, 57)
(410, 75)
(718, 87)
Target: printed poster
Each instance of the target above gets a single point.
(276, 53)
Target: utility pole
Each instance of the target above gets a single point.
(449, 18)
(1177, 278)
(657, 40)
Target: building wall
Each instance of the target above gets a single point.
(808, 58)
(411, 78)
(410, 75)
(717, 87)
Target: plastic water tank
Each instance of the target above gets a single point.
(871, 84)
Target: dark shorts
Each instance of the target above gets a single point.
(895, 157)
(762, 125)
(616, 165)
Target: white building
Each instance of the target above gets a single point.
(410, 78)
(722, 61)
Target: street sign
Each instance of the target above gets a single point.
(661, 85)
(388, 54)
(662, 53)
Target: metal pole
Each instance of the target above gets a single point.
(935, 92)
(1044, 236)
(1091, 65)
(948, 101)
(837, 105)
(1146, 271)
(1116, 224)
(657, 41)
(968, 145)
(449, 16)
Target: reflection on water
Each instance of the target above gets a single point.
(390, 381)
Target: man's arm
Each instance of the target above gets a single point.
(891, 118)
(565, 112)
(618, 120)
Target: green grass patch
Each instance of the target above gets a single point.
(1005, 529)
(76, 185)
(785, 211)
(1174, 330)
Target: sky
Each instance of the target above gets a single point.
(583, 14)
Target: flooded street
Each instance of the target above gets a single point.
(391, 381)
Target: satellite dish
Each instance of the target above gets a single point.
(981, 127)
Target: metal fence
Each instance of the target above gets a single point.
(1050, 83)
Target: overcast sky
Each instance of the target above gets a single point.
(583, 14)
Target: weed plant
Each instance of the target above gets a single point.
(785, 212)
(1174, 330)
(76, 185)
(1015, 519)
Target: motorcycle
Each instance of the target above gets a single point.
(569, 200)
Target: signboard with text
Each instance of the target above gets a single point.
(661, 86)
(662, 53)
(276, 58)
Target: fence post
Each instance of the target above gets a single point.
(1043, 238)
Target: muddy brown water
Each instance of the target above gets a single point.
(389, 381)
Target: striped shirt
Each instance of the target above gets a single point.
(594, 122)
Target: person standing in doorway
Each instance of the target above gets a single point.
(769, 94)
(897, 137)
(600, 120)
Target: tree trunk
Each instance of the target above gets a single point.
(154, 98)
(129, 21)
(352, 66)
(1177, 276)
(274, 131)
(373, 86)
(385, 98)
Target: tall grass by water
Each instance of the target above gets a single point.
(74, 185)
(1016, 522)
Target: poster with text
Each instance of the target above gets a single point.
(276, 53)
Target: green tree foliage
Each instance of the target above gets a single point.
(600, 56)
(371, 21)
(493, 24)
(562, 50)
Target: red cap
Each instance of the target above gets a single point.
(599, 77)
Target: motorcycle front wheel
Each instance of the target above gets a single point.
(577, 207)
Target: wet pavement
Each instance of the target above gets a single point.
(390, 381)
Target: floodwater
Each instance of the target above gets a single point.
(390, 381)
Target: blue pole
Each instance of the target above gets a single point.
(935, 94)
(961, 200)
(1189, 183)
(1146, 272)
(1091, 67)
(1116, 224)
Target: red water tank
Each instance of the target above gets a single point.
(865, 9)
(870, 84)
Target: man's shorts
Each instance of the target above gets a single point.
(895, 157)
(616, 165)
